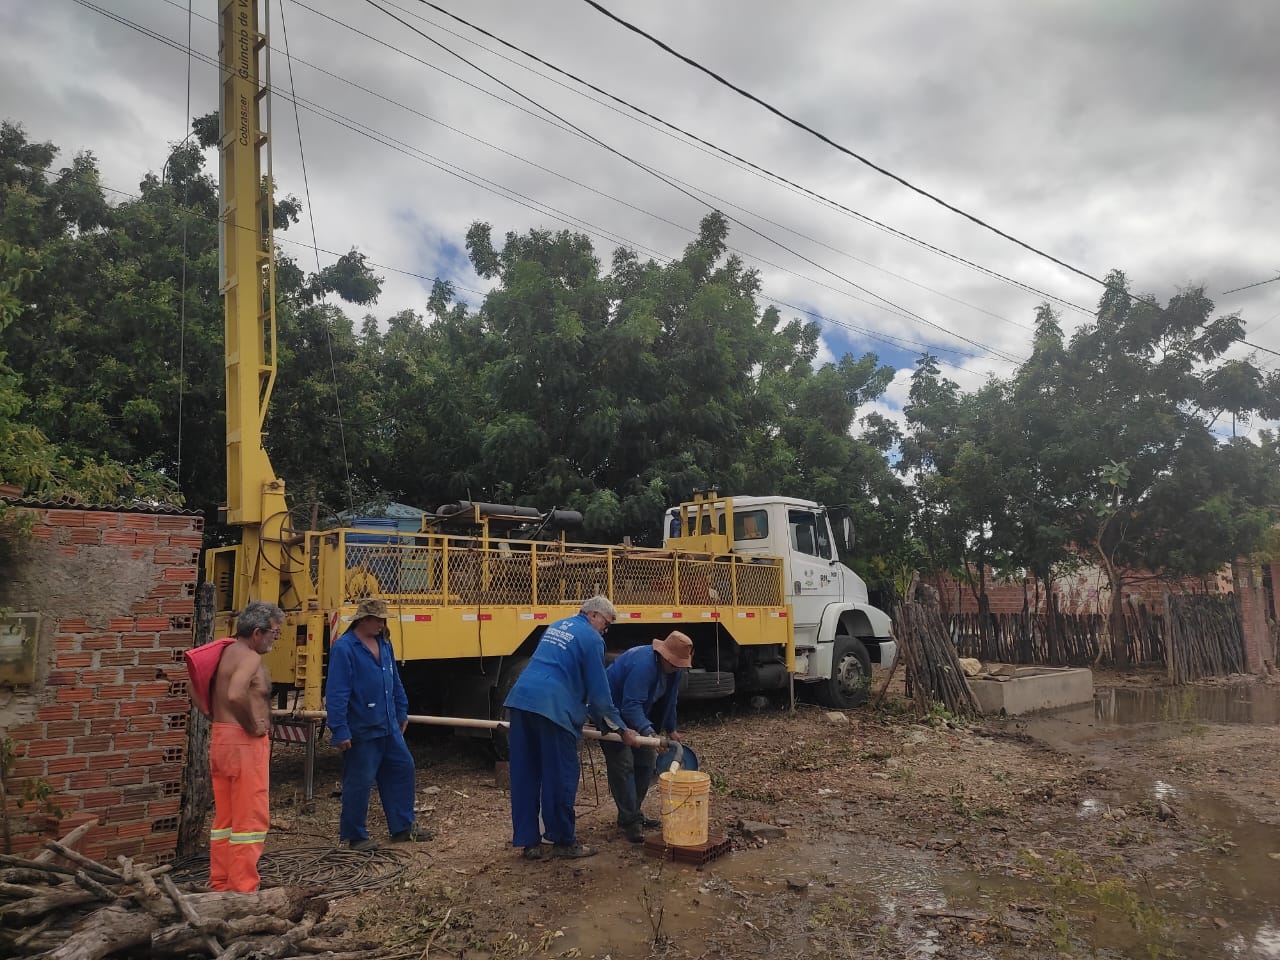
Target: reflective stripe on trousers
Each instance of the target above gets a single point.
(240, 767)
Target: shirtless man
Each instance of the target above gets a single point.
(240, 750)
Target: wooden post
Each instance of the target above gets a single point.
(197, 788)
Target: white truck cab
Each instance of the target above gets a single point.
(838, 634)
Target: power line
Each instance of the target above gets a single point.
(473, 179)
(843, 149)
(182, 312)
(701, 143)
(629, 159)
(1249, 286)
(888, 339)
(315, 246)
(545, 209)
(619, 200)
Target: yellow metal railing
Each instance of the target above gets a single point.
(442, 570)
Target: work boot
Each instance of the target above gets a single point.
(367, 845)
(532, 853)
(415, 834)
(634, 832)
(650, 824)
(573, 852)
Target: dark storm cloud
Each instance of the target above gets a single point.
(1137, 135)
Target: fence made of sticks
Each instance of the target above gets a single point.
(1204, 630)
(1206, 637)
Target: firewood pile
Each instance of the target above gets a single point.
(933, 669)
(62, 905)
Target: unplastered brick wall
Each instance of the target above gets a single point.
(101, 733)
(1084, 592)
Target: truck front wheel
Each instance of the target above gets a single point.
(850, 681)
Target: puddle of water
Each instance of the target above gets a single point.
(1244, 703)
(1123, 713)
(1238, 883)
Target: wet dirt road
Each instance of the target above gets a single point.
(1144, 824)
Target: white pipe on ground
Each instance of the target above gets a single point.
(661, 743)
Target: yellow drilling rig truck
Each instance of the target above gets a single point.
(755, 581)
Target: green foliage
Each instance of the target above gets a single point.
(1105, 447)
(616, 389)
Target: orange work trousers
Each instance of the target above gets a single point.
(240, 767)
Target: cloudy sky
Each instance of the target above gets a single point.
(1138, 134)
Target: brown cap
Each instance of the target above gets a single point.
(371, 608)
(677, 649)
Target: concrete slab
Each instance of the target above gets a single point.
(1028, 689)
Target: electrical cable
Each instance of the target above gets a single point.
(634, 162)
(341, 872)
(182, 309)
(1249, 286)
(710, 148)
(598, 231)
(886, 338)
(315, 246)
(520, 199)
(843, 149)
(705, 146)
(493, 187)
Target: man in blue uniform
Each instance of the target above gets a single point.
(368, 712)
(644, 683)
(549, 703)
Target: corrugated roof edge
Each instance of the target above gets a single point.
(32, 503)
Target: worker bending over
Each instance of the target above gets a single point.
(644, 683)
(549, 703)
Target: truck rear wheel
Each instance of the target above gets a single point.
(850, 680)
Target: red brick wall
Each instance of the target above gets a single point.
(1083, 592)
(1259, 647)
(105, 722)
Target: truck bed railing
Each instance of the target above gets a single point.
(441, 570)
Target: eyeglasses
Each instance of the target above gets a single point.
(608, 622)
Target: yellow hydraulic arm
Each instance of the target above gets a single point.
(255, 496)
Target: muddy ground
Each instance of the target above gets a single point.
(1146, 824)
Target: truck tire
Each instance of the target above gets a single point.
(511, 671)
(850, 680)
(706, 685)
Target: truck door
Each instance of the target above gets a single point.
(813, 580)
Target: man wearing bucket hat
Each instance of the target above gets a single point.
(644, 682)
(368, 712)
(564, 680)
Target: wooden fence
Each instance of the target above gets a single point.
(1206, 637)
(1204, 631)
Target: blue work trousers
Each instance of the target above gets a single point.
(544, 775)
(630, 771)
(387, 761)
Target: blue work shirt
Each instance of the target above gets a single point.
(565, 677)
(643, 692)
(364, 696)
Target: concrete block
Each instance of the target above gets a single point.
(1033, 688)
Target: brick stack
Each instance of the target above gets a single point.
(104, 725)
